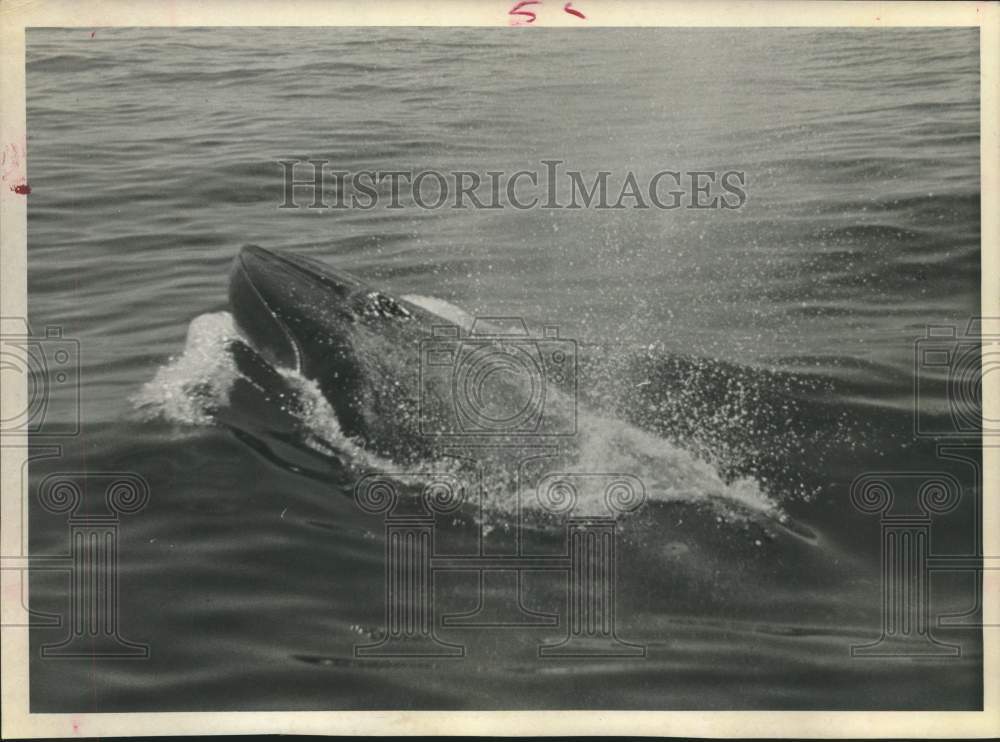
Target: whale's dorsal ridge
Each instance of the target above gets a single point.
(377, 305)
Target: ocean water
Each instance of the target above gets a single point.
(745, 365)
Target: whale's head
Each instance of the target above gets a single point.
(358, 343)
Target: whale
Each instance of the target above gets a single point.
(397, 375)
(398, 378)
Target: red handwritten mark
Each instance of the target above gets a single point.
(93, 34)
(529, 16)
(21, 190)
(573, 11)
(76, 726)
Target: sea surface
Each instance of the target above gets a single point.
(745, 365)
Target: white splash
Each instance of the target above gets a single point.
(443, 309)
(190, 385)
(668, 472)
